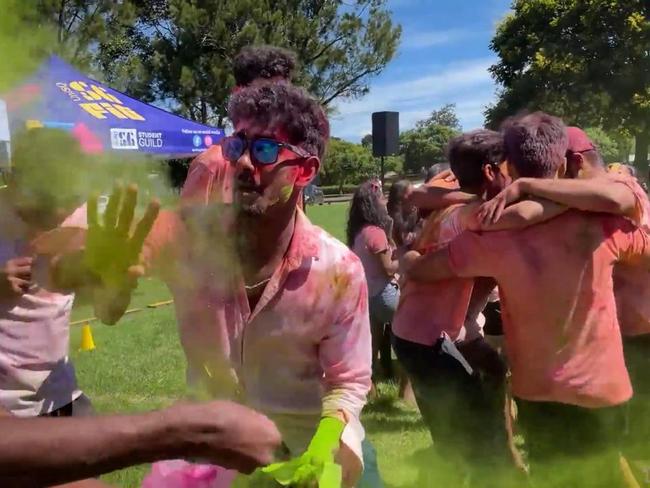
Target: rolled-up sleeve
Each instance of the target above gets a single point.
(345, 352)
(198, 184)
(345, 356)
(157, 248)
(209, 179)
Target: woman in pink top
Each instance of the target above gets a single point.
(403, 213)
(368, 231)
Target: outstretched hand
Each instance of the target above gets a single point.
(112, 251)
(491, 211)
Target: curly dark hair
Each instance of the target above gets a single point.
(470, 151)
(366, 208)
(283, 106)
(401, 226)
(263, 61)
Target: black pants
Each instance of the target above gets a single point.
(493, 324)
(570, 446)
(463, 413)
(81, 407)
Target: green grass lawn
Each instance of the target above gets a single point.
(332, 217)
(139, 365)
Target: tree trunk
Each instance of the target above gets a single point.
(204, 112)
(642, 141)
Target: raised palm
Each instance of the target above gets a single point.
(112, 248)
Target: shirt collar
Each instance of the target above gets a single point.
(304, 243)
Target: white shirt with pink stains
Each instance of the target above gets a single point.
(36, 375)
(302, 353)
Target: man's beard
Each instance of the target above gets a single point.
(253, 207)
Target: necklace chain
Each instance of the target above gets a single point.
(257, 285)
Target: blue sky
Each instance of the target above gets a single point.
(443, 58)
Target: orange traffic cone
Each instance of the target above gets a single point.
(87, 342)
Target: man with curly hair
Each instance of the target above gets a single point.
(253, 65)
(272, 309)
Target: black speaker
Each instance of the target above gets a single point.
(385, 133)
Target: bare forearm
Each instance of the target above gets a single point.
(434, 198)
(49, 451)
(392, 268)
(595, 195)
(523, 214)
(430, 267)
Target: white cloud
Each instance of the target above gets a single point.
(467, 84)
(418, 40)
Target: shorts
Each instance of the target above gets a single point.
(81, 407)
(383, 305)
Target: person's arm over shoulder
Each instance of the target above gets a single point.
(519, 215)
(435, 197)
(469, 255)
(601, 194)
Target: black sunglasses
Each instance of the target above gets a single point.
(263, 151)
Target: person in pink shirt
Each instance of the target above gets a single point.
(252, 65)
(368, 231)
(593, 188)
(44, 197)
(404, 214)
(271, 309)
(559, 313)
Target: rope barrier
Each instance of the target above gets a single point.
(128, 312)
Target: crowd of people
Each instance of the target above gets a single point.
(540, 232)
(526, 235)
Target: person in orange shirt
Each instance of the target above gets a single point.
(565, 350)
(457, 377)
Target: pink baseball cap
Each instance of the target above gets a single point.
(579, 141)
